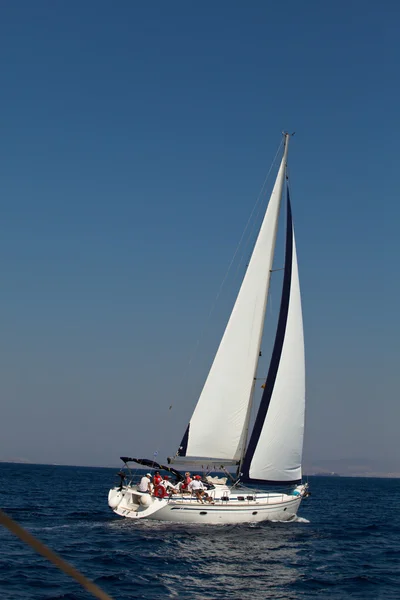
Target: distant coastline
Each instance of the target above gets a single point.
(354, 467)
(365, 475)
(344, 467)
(45, 464)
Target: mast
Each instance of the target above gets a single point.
(227, 391)
(279, 182)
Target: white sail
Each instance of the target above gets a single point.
(275, 447)
(218, 423)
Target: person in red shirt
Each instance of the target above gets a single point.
(157, 479)
(185, 483)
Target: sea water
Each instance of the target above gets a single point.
(344, 544)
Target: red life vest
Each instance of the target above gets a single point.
(157, 479)
(185, 483)
(160, 491)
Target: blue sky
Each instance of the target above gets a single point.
(135, 138)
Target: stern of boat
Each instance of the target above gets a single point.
(127, 501)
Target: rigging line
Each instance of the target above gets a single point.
(261, 193)
(45, 551)
(234, 255)
(250, 239)
(249, 242)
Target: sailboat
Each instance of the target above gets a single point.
(267, 454)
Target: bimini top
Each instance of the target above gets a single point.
(153, 465)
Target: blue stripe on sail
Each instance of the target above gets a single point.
(183, 445)
(276, 355)
(271, 481)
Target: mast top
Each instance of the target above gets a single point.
(287, 135)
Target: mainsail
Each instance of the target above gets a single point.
(275, 447)
(218, 425)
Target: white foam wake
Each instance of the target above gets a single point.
(295, 519)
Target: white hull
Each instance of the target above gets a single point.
(230, 506)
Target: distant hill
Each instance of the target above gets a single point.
(16, 460)
(354, 467)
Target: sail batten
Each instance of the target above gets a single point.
(219, 422)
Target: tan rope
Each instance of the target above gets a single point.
(60, 563)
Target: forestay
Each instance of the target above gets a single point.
(219, 422)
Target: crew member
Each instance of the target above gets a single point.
(168, 485)
(197, 487)
(157, 479)
(185, 483)
(145, 484)
(122, 477)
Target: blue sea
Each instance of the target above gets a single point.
(346, 544)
